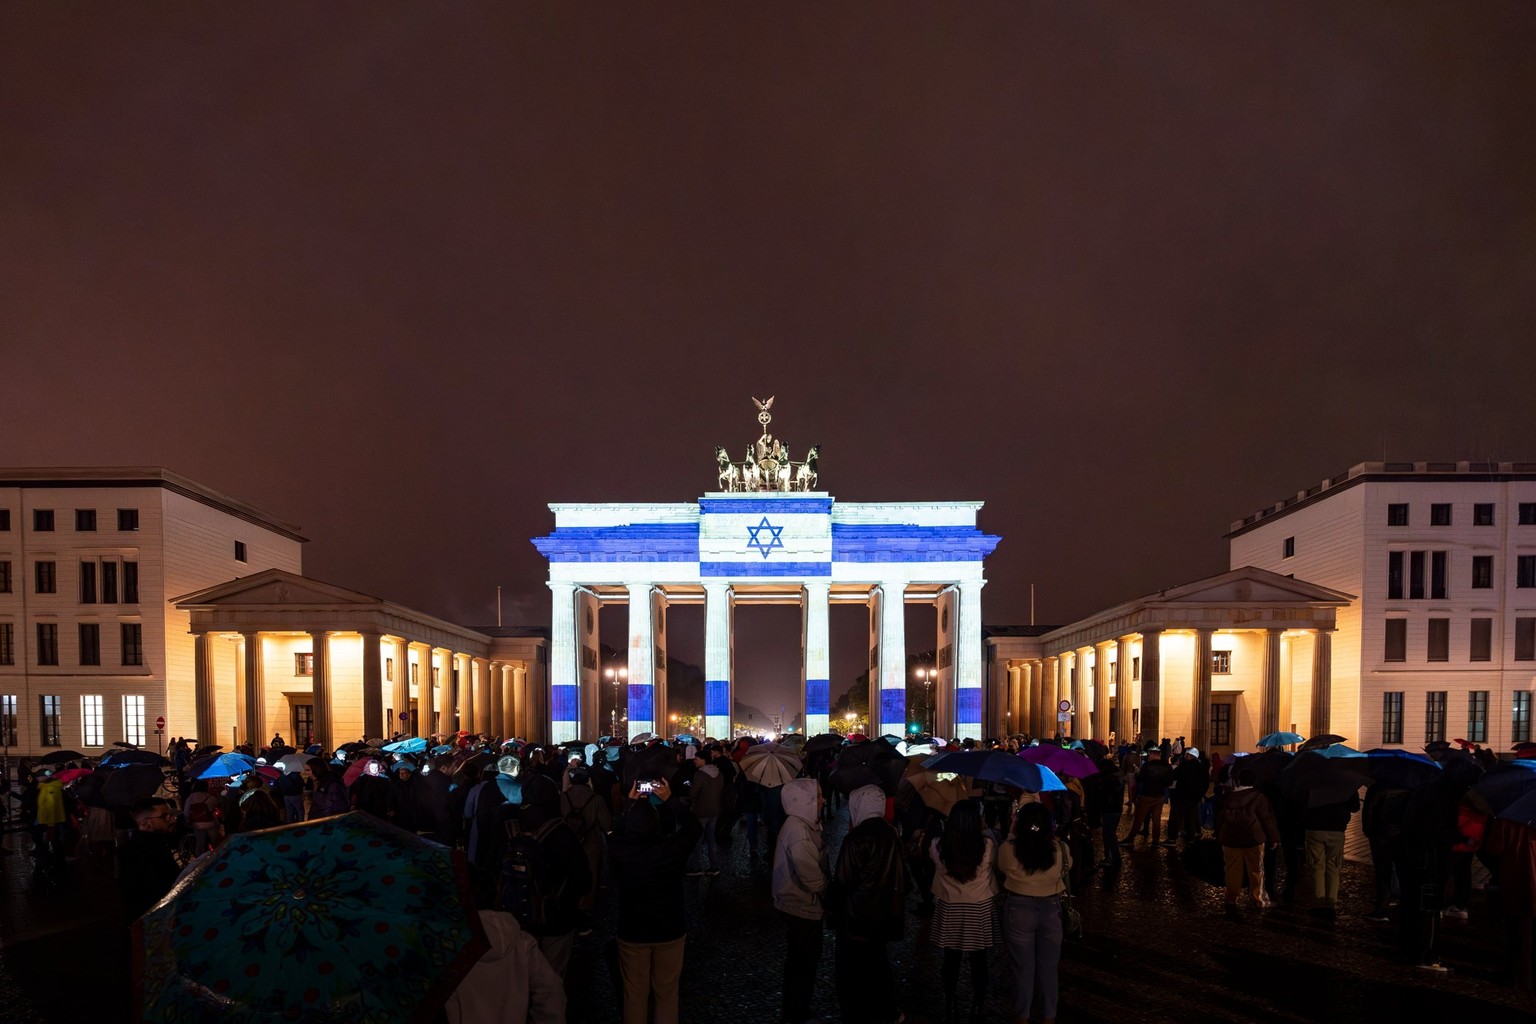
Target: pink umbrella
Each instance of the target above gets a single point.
(1061, 760)
(356, 769)
(69, 775)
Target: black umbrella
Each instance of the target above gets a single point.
(122, 757)
(1313, 780)
(871, 763)
(1265, 766)
(1326, 740)
(656, 762)
(131, 783)
(60, 757)
(826, 741)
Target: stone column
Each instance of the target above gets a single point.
(255, 691)
(564, 664)
(427, 692)
(1050, 689)
(1200, 702)
(1322, 681)
(717, 660)
(1101, 684)
(891, 710)
(320, 691)
(968, 671)
(525, 720)
(402, 689)
(815, 661)
(465, 690)
(373, 689)
(485, 715)
(1081, 727)
(1017, 703)
(496, 701)
(1151, 685)
(1125, 690)
(203, 688)
(1269, 693)
(642, 662)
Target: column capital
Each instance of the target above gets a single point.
(1104, 645)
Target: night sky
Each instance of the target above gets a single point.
(403, 276)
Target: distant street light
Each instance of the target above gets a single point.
(616, 676)
(928, 674)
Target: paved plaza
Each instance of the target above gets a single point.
(1157, 948)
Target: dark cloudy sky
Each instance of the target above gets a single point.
(404, 274)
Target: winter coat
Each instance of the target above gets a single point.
(1330, 817)
(867, 898)
(1153, 779)
(649, 851)
(146, 870)
(979, 889)
(1104, 791)
(1381, 817)
(51, 808)
(799, 859)
(704, 793)
(1513, 847)
(1191, 779)
(511, 984)
(1244, 818)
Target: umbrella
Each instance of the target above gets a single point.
(1266, 767)
(857, 737)
(769, 764)
(118, 757)
(224, 766)
(1060, 761)
(1321, 741)
(940, 795)
(1521, 811)
(687, 737)
(345, 918)
(795, 741)
(1313, 780)
(1280, 739)
(414, 745)
(294, 762)
(1094, 749)
(644, 737)
(444, 748)
(126, 786)
(872, 763)
(60, 757)
(1506, 784)
(357, 768)
(1401, 769)
(69, 775)
(1337, 750)
(998, 766)
(268, 772)
(657, 762)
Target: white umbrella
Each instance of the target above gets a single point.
(769, 764)
(294, 762)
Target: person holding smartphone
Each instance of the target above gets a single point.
(649, 851)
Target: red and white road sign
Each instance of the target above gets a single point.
(160, 722)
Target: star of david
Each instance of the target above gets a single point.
(756, 540)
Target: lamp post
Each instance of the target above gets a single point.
(615, 677)
(848, 726)
(928, 674)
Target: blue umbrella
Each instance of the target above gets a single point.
(445, 748)
(1506, 784)
(228, 765)
(1522, 810)
(1280, 739)
(414, 745)
(687, 737)
(997, 766)
(1337, 750)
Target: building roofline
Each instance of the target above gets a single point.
(1382, 472)
(146, 476)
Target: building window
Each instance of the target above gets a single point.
(7, 643)
(1482, 514)
(127, 519)
(1221, 663)
(1440, 515)
(1439, 640)
(1520, 723)
(1434, 716)
(389, 670)
(1416, 575)
(1392, 716)
(1525, 639)
(304, 664)
(51, 720)
(42, 519)
(90, 643)
(133, 719)
(109, 583)
(1482, 572)
(303, 725)
(46, 577)
(8, 719)
(47, 643)
(87, 582)
(1525, 571)
(1288, 548)
(1394, 575)
(1397, 640)
(240, 551)
(133, 643)
(1136, 670)
(5, 577)
(1527, 513)
(435, 672)
(1477, 716)
(1437, 575)
(415, 673)
(5, 520)
(1221, 725)
(92, 731)
(1397, 515)
(130, 582)
(85, 520)
(1482, 640)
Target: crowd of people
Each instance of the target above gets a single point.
(543, 827)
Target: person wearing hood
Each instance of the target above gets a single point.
(799, 880)
(649, 851)
(1245, 824)
(511, 984)
(867, 906)
(704, 799)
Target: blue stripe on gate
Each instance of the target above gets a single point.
(717, 697)
(642, 700)
(968, 705)
(893, 704)
(817, 696)
(564, 702)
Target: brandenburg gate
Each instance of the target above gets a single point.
(766, 536)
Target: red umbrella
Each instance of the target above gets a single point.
(356, 769)
(69, 775)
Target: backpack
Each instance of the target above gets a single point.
(528, 889)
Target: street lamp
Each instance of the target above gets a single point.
(615, 677)
(928, 674)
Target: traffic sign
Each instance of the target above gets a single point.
(160, 724)
(1063, 717)
(1065, 705)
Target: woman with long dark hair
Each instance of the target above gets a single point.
(964, 917)
(1033, 864)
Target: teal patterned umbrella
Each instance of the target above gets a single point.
(338, 919)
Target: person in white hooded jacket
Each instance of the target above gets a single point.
(799, 880)
(511, 984)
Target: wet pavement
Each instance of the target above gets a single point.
(1157, 947)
